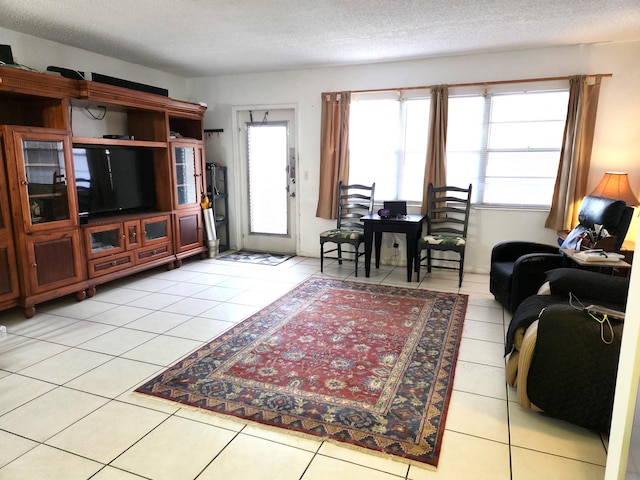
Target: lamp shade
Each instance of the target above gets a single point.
(616, 185)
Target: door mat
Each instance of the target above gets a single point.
(258, 258)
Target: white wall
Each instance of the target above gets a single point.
(38, 54)
(617, 141)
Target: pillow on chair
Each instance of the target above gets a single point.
(585, 284)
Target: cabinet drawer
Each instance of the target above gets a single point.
(144, 255)
(102, 266)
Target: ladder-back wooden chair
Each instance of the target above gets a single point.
(354, 201)
(447, 222)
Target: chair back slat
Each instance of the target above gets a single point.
(447, 211)
(354, 202)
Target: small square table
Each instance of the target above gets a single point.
(410, 225)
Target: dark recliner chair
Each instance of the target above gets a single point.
(563, 357)
(518, 267)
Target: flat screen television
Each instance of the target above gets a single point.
(111, 180)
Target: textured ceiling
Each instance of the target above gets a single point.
(193, 38)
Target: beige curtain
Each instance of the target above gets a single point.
(334, 151)
(575, 157)
(435, 167)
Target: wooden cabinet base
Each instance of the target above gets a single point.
(29, 303)
(169, 261)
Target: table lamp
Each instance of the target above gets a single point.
(616, 185)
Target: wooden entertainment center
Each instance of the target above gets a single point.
(46, 251)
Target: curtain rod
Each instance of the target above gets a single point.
(474, 84)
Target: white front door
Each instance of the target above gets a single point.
(266, 143)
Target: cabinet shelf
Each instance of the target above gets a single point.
(29, 164)
(217, 182)
(45, 195)
(117, 142)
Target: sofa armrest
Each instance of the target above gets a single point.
(524, 363)
(529, 273)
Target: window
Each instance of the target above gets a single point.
(507, 144)
(388, 145)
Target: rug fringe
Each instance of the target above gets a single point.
(242, 422)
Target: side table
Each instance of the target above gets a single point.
(599, 265)
(410, 225)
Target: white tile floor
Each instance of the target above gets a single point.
(67, 410)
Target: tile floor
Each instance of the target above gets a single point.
(67, 410)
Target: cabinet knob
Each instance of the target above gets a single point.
(134, 234)
(34, 265)
(114, 263)
(122, 237)
(24, 182)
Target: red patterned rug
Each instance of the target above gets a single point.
(364, 364)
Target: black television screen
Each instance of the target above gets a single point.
(113, 179)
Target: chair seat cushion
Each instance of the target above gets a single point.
(444, 240)
(343, 233)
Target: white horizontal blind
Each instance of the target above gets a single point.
(507, 144)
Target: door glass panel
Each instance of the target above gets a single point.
(267, 154)
(155, 230)
(46, 180)
(185, 158)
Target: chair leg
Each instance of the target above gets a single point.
(340, 254)
(428, 260)
(355, 260)
(321, 256)
(417, 264)
(461, 271)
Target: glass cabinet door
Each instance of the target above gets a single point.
(46, 180)
(185, 172)
(104, 240)
(156, 230)
(41, 167)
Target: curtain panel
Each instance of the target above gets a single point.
(435, 167)
(575, 156)
(334, 151)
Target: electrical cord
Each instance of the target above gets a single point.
(97, 117)
(601, 321)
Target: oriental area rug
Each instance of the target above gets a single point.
(367, 365)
